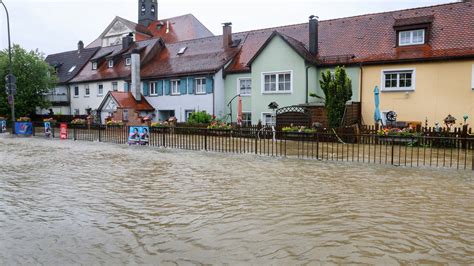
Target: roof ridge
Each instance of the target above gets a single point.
(75, 51)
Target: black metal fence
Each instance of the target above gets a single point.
(412, 151)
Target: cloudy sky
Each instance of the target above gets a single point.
(54, 26)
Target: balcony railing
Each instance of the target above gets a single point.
(57, 98)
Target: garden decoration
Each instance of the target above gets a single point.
(377, 116)
(449, 121)
(437, 128)
(465, 117)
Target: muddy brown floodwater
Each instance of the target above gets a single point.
(64, 202)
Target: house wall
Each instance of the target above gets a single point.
(231, 90)
(441, 88)
(278, 56)
(354, 75)
(94, 100)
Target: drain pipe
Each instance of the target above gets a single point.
(307, 83)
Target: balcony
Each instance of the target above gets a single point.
(58, 99)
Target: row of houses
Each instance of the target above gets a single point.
(422, 59)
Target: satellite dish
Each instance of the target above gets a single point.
(391, 116)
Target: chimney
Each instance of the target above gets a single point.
(313, 34)
(80, 47)
(135, 89)
(127, 41)
(227, 34)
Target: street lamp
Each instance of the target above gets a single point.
(10, 79)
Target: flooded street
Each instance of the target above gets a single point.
(64, 202)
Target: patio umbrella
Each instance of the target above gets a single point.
(239, 111)
(377, 116)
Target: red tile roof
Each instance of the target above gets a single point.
(126, 100)
(372, 37)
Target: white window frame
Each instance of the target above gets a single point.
(152, 89)
(411, 42)
(94, 65)
(202, 86)
(115, 86)
(398, 88)
(178, 85)
(238, 86)
(87, 91)
(99, 93)
(128, 61)
(263, 119)
(243, 121)
(277, 73)
(74, 94)
(110, 63)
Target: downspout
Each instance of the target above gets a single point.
(360, 90)
(213, 96)
(307, 83)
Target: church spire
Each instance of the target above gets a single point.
(147, 11)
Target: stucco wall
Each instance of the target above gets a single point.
(278, 56)
(231, 90)
(441, 88)
(354, 75)
(93, 101)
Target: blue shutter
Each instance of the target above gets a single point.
(183, 86)
(209, 85)
(167, 87)
(159, 87)
(145, 88)
(125, 87)
(190, 86)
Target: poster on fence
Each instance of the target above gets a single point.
(47, 129)
(24, 128)
(63, 131)
(3, 126)
(139, 136)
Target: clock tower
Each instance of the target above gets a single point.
(147, 11)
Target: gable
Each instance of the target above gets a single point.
(275, 52)
(118, 28)
(110, 105)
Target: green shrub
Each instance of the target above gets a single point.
(200, 118)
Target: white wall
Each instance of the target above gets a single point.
(181, 103)
(93, 101)
(219, 92)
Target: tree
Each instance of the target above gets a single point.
(34, 78)
(337, 90)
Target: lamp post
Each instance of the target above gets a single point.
(10, 79)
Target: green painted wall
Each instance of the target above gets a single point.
(352, 72)
(279, 56)
(231, 84)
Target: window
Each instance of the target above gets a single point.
(94, 65)
(110, 63)
(128, 61)
(71, 69)
(76, 91)
(175, 84)
(87, 91)
(143, 9)
(76, 111)
(153, 88)
(277, 83)
(182, 50)
(246, 119)
(125, 115)
(268, 119)
(187, 114)
(411, 37)
(200, 86)
(398, 80)
(153, 9)
(245, 87)
(114, 86)
(100, 90)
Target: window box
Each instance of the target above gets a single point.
(398, 80)
(277, 82)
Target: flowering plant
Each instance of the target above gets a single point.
(78, 121)
(396, 132)
(301, 129)
(51, 120)
(24, 119)
(160, 124)
(115, 123)
(215, 124)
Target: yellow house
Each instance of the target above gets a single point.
(420, 91)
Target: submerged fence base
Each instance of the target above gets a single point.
(414, 151)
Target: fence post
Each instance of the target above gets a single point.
(33, 129)
(74, 137)
(256, 142)
(205, 139)
(392, 150)
(164, 136)
(100, 129)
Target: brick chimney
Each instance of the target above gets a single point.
(80, 47)
(127, 41)
(135, 88)
(313, 34)
(227, 35)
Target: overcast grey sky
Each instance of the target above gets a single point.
(54, 26)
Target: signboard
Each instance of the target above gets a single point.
(63, 131)
(47, 129)
(24, 128)
(139, 136)
(3, 126)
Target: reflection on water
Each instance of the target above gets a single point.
(89, 203)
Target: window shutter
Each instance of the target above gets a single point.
(146, 88)
(209, 85)
(190, 86)
(159, 87)
(167, 87)
(125, 87)
(183, 86)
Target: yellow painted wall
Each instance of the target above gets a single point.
(441, 88)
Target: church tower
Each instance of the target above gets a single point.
(147, 11)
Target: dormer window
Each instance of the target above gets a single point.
(182, 50)
(94, 65)
(128, 61)
(110, 63)
(71, 69)
(411, 37)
